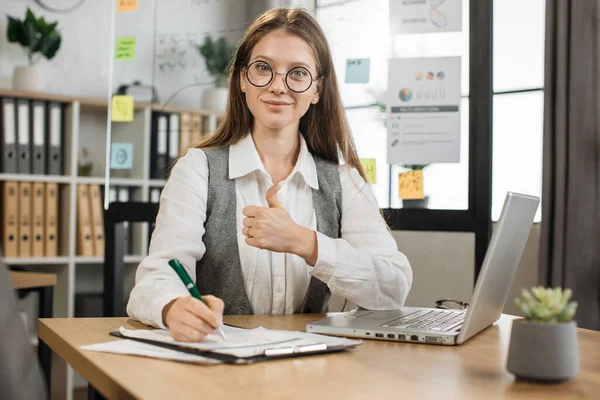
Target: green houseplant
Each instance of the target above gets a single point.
(38, 39)
(217, 55)
(543, 345)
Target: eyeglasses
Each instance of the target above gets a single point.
(450, 304)
(260, 74)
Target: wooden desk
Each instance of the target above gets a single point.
(43, 283)
(32, 280)
(376, 369)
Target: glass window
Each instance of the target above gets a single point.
(360, 28)
(517, 147)
(519, 28)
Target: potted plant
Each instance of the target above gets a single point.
(415, 203)
(543, 346)
(38, 39)
(217, 55)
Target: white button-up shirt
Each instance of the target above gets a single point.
(363, 266)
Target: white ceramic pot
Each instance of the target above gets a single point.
(27, 78)
(215, 99)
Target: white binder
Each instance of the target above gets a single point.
(24, 145)
(8, 161)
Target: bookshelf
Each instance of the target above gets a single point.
(84, 125)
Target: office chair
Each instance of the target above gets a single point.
(115, 241)
(20, 374)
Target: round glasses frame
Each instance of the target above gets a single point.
(450, 304)
(273, 74)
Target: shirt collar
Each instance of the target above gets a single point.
(244, 159)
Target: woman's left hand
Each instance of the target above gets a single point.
(273, 229)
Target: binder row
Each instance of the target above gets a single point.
(32, 137)
(172, 134)
(29, 219)
(90, 221)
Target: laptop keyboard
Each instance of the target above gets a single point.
(432, 320)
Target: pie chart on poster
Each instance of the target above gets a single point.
(405, 94)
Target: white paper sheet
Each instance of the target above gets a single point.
(424, 16)
(135, 348)
(424, 110)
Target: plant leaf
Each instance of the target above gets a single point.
(14, 31)
(566, 296)
(31, 33)
(29, 17)
(51, 44)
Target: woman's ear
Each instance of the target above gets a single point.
(243, 81)
(317, 94)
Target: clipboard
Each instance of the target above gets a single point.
(268, 354)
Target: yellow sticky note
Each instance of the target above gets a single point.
(370, 169)
(125, 48)
(122, 109)
(410, 185)
(127, 5)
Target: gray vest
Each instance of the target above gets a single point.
(219, 272)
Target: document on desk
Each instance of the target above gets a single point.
(247, 342)
(241, 344)
(135, 348)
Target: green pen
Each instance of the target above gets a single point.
(187, 281)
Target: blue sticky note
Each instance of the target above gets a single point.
(121, 156)
(357, 70)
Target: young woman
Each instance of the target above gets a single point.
(271, 214)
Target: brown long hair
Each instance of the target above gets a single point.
(324, 125)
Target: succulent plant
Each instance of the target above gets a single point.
(547, 304)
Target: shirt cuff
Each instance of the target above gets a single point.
(157, 307)
(326, 259)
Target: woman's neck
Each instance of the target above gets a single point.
(278, 149)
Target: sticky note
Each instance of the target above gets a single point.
(125, 48)
(370, 169)
(357, 70)
(127, 5)
(122, 109)
(121, 155)
(410, 185)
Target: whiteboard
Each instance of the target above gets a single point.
(164, 57)
(180, 25)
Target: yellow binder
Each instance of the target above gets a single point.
(37, 218)
(25, 204)
(85, 246)
(97, 213)
(10, 219)
(51, 213)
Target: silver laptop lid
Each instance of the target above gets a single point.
(500, 263)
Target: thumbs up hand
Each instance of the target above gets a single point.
(272, 199)
(273, 229)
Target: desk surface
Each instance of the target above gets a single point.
(30, 280)
(375, 369)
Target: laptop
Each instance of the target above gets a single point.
(450, 326)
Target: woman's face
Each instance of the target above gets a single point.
(275, 105)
